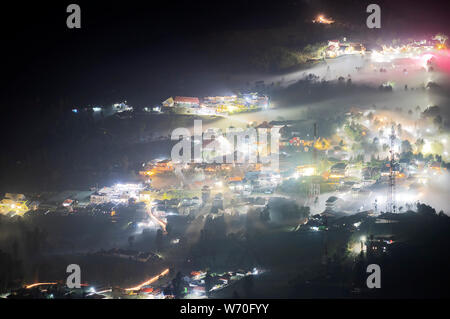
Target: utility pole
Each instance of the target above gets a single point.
(314, 188)
(391, 206)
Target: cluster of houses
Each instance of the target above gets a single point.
(118, 193)
(341, 47)
(337, 48)
(215, 105)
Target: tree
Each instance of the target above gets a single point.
(208, 283)
(437, 148)
(425, 209)
(376, 140)
(419, 145)
(131, 241)
(437, 120)
(264, 215)
(359, 271)
(440, 37)
(443, 215)
(399, 129)
(406, 146)
(177, 285)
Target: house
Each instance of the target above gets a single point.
(332, 203)
(169, 102)
(184, 101)
(338, 170)
(379, 244)
(260, 202)
(98, 198)
(385, 170)
(264, 125)
(336, 48)
(163, 166)
(68, 202)
(285, 133)
(306, 170)
(436, 167)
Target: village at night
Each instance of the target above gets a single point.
(248, 150)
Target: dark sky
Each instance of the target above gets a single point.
(131, 47)
(118, 39)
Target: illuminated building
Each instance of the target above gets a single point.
(338, 170)
(14, 204)
(183, 101)
(332, 203)
(337, 48)
(169, 102)
(306, 170)
(119, 193)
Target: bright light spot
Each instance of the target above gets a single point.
(322, 19)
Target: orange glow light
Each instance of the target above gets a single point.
(150, 281)
(322, 19)
(40, 284)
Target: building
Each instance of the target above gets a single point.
(306, 170)
(338, 170)
(164, 166)
(378, 245)
(14, 204)
(98, 198)
(119, 193)
(332, 203)
(212, 100)
(337, 48)
(184, 101)
(169, 102)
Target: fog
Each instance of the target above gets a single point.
(303, 97)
